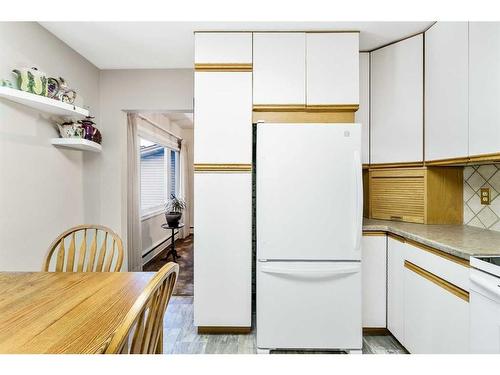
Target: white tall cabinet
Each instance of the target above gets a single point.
(396, 127)
(484, 88)
(223, 181)
(446, 91)
(362, 115)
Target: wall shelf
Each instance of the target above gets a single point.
(77, 144)
(42, 103)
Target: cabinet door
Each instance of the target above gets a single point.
(395, 288)
(396, 126)
(436, 320)
(226, 48)
(373, 275)
(362, 115)
(484, 88)
(446, 91)
(279, 67)
(332, 68)
(223, 249)
(223, 117)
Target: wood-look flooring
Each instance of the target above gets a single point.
(184, 247)
(180, 336)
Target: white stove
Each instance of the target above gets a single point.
(485, 304)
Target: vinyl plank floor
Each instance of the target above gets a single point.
(181, 337)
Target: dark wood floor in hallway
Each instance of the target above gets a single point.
(184, 248)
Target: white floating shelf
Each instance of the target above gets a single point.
(77, 144)
(42, 103)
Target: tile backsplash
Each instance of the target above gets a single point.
(476, 214)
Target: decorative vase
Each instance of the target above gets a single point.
(31, 80)
(89, 130)
(173, 218)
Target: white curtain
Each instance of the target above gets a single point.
(134, 241)
(185, 188)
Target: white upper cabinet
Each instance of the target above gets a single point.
(396, 126)
(332, 68)
(225, 48)
(362, 115)
(446, 91)
(279, 67)
(484, 88)
(223, 117)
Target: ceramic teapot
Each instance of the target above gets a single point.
(69, 129)
(88, 127)
(31, 80)
(64, 93)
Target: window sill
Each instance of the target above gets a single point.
(152, 213)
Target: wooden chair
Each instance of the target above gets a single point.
(141, 331)
(87, 239)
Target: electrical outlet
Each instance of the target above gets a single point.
(485, 195)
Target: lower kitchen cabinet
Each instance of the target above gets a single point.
(436, 320)
(395, 288)
(223, 249)
(374, 280)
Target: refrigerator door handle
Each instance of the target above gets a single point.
(348, 269)
(359, 201)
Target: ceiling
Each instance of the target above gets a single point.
(169, 45)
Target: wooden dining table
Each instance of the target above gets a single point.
(64, 312)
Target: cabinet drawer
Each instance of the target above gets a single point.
(448, 267)
(397, 195)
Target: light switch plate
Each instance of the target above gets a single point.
(485, 195)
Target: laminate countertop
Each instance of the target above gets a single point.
(460, 240)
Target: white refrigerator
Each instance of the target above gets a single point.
(309, 227)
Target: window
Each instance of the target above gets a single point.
(159, 176)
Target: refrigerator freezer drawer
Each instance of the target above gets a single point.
(309, 305)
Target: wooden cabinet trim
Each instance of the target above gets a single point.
(223, 67)
(374, 233)
(397, 165)
(222, 330)
(295, 116)
(396, 237)
(224, 168)
(459, 292)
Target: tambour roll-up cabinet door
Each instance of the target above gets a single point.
(446, 91)
(223, 48)
(431, 195)
(279, 68)
(484, 88)
(362, 115)
(332, 68)
(396, 127)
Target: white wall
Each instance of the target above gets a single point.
(43, 190)
(137, 90)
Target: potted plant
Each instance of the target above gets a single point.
(173, 210)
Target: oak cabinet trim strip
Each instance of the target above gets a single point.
(374, 233)
(235, 168)
(223, 67)
(459, 292)
(216, 330)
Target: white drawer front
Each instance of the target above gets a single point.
(448, 270)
